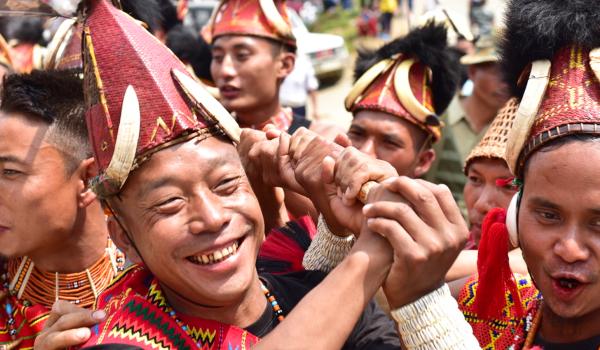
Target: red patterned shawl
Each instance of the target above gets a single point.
(138, 314)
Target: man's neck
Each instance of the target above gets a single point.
(259, 115)
(241, 313)
(556, 329)
(478, 113)
(82, 247)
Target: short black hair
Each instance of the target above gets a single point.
(191, 48)
(53, 97)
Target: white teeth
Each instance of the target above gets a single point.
(216, 256)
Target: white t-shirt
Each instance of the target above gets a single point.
(295, 87)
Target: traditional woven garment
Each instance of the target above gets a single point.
(141, 316)
(507, 331)
(20, 322)
(284, 247)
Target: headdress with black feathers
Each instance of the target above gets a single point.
(537, 29)
(428, 44)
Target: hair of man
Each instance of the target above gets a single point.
(53, 97)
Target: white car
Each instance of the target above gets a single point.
(327, 52)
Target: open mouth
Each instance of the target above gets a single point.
(216, 256)
(568, 287)
(568, 283)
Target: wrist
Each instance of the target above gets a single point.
(434, 321)
(397, 300)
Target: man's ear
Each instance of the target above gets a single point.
(121, 239)
(287, 61)
(424, 161)
(471, 70)
(87, 170)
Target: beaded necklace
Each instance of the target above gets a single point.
(270, 298)
(32, 286)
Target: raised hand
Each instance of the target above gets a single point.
(257, 154)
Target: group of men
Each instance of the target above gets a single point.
(133, 207)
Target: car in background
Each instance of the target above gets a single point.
(327, 52)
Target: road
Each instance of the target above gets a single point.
(331, 99)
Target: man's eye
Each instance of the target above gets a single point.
(354, 134)
(547, 216)
(170, 203)
(474, 180)
(390, 143)
(228, 185)
(10, 172)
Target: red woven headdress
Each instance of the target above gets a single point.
(401, 78)
(139, 97)
(413, 78)
(262, 18)
(560, 51)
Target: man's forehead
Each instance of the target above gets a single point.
(18, 131)
(191, 158)
(235, 41)
(382, 122)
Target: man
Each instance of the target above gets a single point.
(467, 118)
(398, 123)
(253, 50)
(53, 236)
(489, 180)
(181, 205)
(553, 150)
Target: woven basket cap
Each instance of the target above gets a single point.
(571, 104)
(381, 96)
(493, 143)
(247, 17)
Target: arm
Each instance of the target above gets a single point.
(427, 232)
(339, 300)
(434, 322)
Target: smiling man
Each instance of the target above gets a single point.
(183, 209)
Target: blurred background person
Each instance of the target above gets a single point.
(468, 117)
(299, 87)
